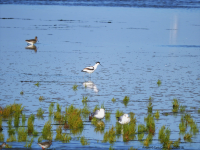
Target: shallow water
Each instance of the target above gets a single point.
(136, 47)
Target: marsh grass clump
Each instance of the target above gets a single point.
(199, 110)
(66, 138)
(194, 128)
(1, 137)
(11, 138)
(74, 117)
(22, 134)
(141, 128)
(30, 123)
(182, 108)
(126, 100)
(164, 137)
(28, 145)
(113, 100)
(84, 141)
(40, 112)
(109, 136)
(150, 107)
(85, 110)
(23, 119)
(150, 124)
(11, 109)
(46, 131)
(176, 143)
(75, 87)
(96, 108)
(51, 108)
(37, 84)
(35, 133)
(148, 140)
(157, 114)
(175, 105)
(59, 133)
(118, 113)
(41, 98)
(150, 98)
(85, 99)
(159, 82)
(22, 93)
(99, 125)
(57, 114)
(188, 137)
(107, 115)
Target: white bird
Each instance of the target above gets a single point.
(91, 69)
(99, 114)
(124, 119)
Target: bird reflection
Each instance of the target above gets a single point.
(90, 85)
(32, 47)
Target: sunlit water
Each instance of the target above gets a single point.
(136, 47)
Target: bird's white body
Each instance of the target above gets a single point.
(99, 114)
(91, 69)
(124, 119)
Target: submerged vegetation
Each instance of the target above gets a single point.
(126, 100)
(75, 87)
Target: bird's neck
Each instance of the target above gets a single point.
(95, 66)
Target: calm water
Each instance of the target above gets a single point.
(136, 47)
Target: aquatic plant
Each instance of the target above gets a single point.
(140, 136)
(157, 115)
(21, 92)
(126, 100)
(142, 128)
(59, 133)
(99, 125)
(182, 126)
(118, 113)
(150, 98)
(35, 133)
(1, 137)
(182, 108)
(175, 105)
(96, 108)
(30, 144)
(66, 138)
(10, 109)
(85, 99)
(40, 112)
(176, 143)
(109, 136)
(40, 139)
(58, 107)
(84, 141)
(110, 148)
(150, 107)
(74, 119)
(113, 100)
(107, 115)
(159, 82)
(46, 131)
(9, 122)
(164, 137)
(22, 134)
(41, 98)
(23, 119)
(148, 140)
(11, 131)
(51, 107)
(30, 123)
(37, 84)
(75, 87)
(150, 124)
(188, 137)
(85, 110)
(12, 138)
(199, 110)
(194, 128)
(57, 114)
